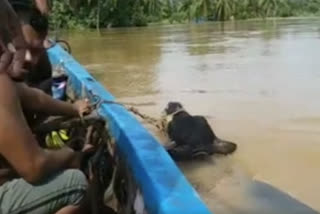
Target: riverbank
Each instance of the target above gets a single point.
(167, 22)
(119, 13)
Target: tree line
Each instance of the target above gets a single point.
(119, 13)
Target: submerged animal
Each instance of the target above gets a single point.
(191, 135)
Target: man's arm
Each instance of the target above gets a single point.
(36, 100)
(42, 6)
(18, 145)
(12, 43)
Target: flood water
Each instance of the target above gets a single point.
(258, 84)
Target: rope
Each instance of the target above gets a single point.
(148, 119)
(65, 45)
(98, 102)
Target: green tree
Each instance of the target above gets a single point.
(253, 8)
(105, 13)
(269, 7)
(195, 9)
(187, 10)
(152, 7)
(170, 10)
(224, 9)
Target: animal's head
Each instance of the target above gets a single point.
(173, 107)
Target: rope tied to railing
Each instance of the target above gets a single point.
(157, 123)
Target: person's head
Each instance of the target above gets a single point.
(34, 29)
(41, 5)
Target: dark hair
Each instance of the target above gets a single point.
(21, 5)
(39, 22)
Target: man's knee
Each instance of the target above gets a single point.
(75, 185)
(64, 189)
(75, 177)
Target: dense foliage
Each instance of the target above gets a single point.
(106, 13)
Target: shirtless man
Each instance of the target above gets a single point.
(33, 180)
(39, 75)
(35, 30)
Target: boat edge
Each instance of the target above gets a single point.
(164, 187)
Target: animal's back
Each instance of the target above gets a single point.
(191, 130)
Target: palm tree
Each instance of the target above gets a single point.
(271, 7)
(153, 7)
(267, 6)
(224, 9)
(253, 7)
(185, 8)
(196, 8)
(204, 7)
(169, 7)
(97, 4)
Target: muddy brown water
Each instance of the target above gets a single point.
(257, 82)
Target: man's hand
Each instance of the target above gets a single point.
(79, 157)
(82, 107)
(12, 43)
(75, 163)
